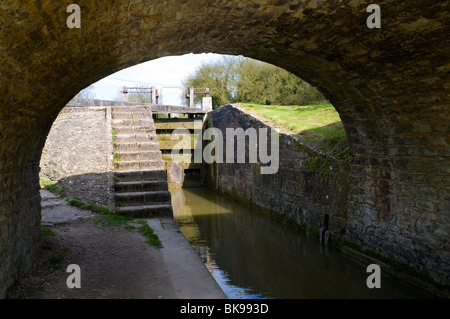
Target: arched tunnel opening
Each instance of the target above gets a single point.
(77, 143)
(389, 85)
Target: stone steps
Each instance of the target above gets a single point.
(127, 166)
(132, 122)
(138, 198)
(136, 147)
(147, 211)
(130, 109)
(145, 175)
(141, 188)
(138, 156)
(126, 115)
(134, 129)
(130, 138)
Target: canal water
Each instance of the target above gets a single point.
(252, 256)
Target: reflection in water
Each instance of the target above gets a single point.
(252, 256)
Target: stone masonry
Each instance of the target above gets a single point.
(391, 87)
(140, 181)
(109, 156)
(76, 154)
(310, 189)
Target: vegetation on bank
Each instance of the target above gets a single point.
(148, 232)
(318, 125)
(56, 260)
(47, 231)
(51, 186)
(107, 218)
(113, 219)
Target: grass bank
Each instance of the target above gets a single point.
(107, 218)
(317, 125)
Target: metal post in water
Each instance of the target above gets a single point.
(326, 237)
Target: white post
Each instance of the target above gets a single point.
(154, 93)
(207, 104)
(191, 97)
(125, 94)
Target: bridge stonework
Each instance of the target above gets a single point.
(390, 85)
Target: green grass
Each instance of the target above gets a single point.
(92, 207)
(109, 218)
(318, 125)
(130, 227)
(55, 261)
(47, 231)
(147, 231)
(112, 219)
(52, 187)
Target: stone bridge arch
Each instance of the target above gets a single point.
(390, 85)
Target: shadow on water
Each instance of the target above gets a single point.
(252, 256)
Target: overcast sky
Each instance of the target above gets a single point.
(168, 71)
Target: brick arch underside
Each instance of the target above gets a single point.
(389, 85)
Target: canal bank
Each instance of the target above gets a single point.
(253, 256)
(116, 262)
(188, 275)
(309, 190)
(316, 192)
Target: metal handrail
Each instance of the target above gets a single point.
(153, 91)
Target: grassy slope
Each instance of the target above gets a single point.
(318, 125)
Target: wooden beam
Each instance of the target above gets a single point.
(174, 123)
(176, 109)
(183, 145)
(185, 158)
(183, 165)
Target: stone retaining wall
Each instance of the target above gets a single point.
(309, 190)
(316, 191)
(77, 154)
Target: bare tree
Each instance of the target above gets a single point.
(87, 93)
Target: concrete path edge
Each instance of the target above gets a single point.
(190, 277)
